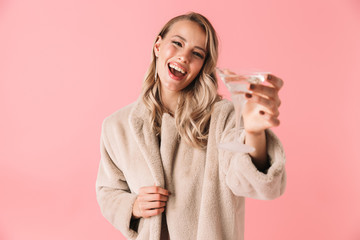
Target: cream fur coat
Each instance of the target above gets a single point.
(208, 186)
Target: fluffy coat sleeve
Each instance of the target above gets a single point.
(242, 177)
(113, 194)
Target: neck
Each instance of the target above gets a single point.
(169, 99)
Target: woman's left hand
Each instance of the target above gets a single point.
(262, 108)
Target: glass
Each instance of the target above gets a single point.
(237, 83)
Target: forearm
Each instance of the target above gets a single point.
(259, 157)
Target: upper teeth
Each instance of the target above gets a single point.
(177, 68)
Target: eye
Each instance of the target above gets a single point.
(198, 55)
(177, 43)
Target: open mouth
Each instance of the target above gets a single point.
(176, 71)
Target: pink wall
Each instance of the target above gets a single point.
(66, 65)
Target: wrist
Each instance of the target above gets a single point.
(135, 216)
(257, 140)
(255, 133)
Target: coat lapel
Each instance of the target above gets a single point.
(149, 147)
(147, 141)
(168, 149)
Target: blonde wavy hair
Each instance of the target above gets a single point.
(196, 101)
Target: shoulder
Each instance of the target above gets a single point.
(118, 118)
(222, 108)
(222, 115)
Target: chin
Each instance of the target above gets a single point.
(173, 88)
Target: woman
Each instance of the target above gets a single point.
(161, 175)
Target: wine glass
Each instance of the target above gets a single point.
(237, 84)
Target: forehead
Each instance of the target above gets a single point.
(189, 30)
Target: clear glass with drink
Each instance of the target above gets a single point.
(237, 83)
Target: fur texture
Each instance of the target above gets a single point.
(208, 187)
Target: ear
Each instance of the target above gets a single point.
(157, 46)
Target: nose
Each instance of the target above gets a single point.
(184, 56)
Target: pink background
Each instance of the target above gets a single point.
(66, 65)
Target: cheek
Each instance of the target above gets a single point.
(168, 52)
(197, 66)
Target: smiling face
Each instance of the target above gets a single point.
(180, 55)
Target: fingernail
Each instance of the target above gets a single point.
(252, 86)
(248, 95)
(269, 77)
(262, 112)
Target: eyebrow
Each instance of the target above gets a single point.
(200, 48)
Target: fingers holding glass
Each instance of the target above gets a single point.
(269, 105)
(263, 90)
(276, 82)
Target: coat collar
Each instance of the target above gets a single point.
(147, 140)
(149, 146)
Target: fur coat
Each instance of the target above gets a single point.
(208, 187)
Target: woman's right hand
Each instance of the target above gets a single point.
(151, 201)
